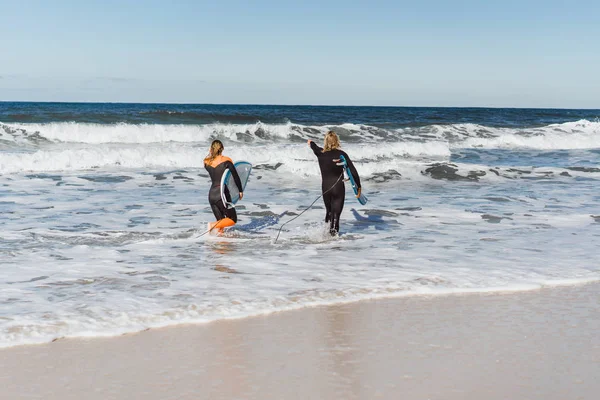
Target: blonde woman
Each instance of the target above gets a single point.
(216, 164)
(332, 184)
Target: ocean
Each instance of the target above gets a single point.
(103, 209)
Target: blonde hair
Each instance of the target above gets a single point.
(332, 141)
(216, 148)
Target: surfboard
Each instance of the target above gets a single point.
(243, 169)
(362, 199)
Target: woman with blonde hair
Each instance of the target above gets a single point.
(216, 164)
(332, 184)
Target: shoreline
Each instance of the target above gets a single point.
(529, 344)
(309, 305)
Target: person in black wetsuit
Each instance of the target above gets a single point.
(216, 164)
(332, 185)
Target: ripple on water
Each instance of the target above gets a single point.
(55, 178)
(106, 178)
(76, 228)
(135, 221)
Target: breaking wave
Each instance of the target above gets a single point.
(570, 135)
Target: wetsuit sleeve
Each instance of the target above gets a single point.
(236, 177)
(316, 149)
(353, 170)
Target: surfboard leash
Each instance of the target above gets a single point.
(205, 232)
(308, 208)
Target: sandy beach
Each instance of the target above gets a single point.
(541, 344)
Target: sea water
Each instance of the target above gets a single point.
(103, 209)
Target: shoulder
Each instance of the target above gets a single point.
(220, 160)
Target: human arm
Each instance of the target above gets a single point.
(236, 177)
(316, 149)
(354, 173)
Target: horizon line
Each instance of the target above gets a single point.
(295, 105)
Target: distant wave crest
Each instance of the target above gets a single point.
(570, 135)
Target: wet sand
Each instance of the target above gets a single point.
(542, 344)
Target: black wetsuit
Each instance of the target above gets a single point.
(333, 196)
(216, 170)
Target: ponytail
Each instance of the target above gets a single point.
(216, 148)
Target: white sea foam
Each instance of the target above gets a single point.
(395, 161)
(71, 132)
(571, 135)
(296, 158)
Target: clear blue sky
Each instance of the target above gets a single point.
(406, 53)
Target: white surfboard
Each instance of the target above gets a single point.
(243, 169)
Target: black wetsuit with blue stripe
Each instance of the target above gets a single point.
(334, 190)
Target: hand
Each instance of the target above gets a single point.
(309, 142)
(241, 195)
(358, 194)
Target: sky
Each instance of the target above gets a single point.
(506, 53)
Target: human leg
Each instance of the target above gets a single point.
(337, 205)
